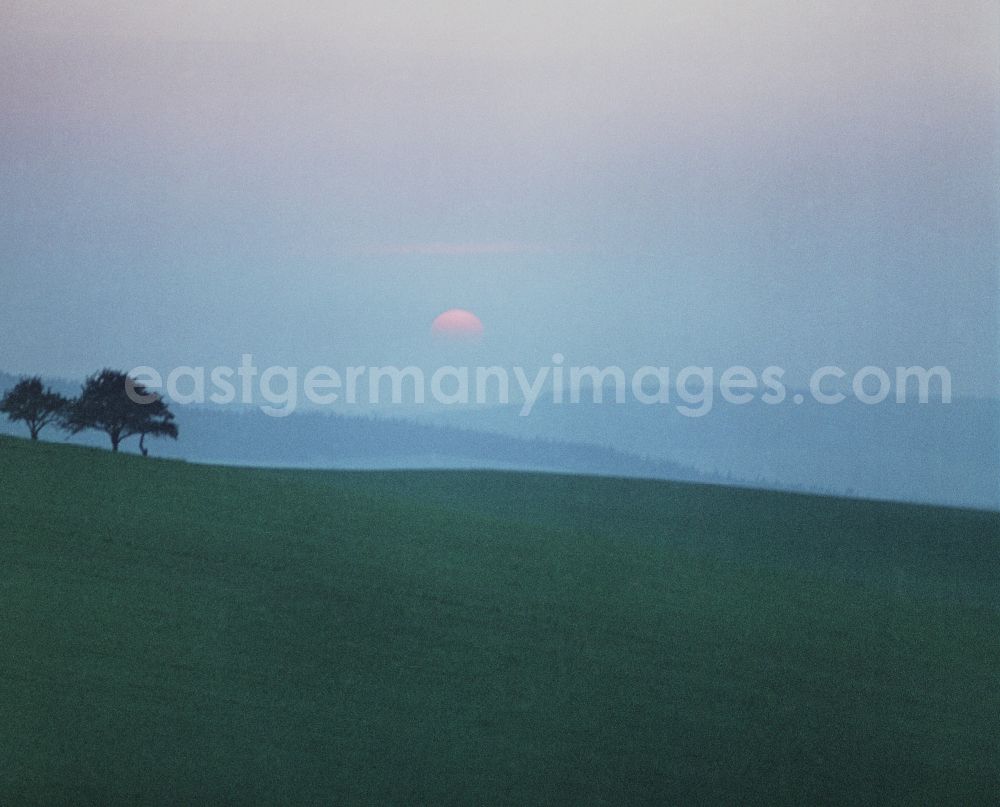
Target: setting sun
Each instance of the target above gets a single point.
(457, 324)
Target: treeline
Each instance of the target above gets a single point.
(109, 401)
(326, 439)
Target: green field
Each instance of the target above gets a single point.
(174, 633)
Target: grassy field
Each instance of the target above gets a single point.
(172, 633)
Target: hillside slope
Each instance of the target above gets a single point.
(177, 633)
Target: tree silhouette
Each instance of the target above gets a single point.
(34, 404)
(120, 407)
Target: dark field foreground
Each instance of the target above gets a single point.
(172, 633)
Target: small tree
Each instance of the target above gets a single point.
(157, 427)
(34, 404)
(120, 407)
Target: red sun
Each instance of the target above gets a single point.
(457, 324)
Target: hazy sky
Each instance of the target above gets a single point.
(797, 183)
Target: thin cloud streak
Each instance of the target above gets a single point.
(460, 249)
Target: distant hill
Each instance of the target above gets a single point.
(319, 440)
(947, 454)
(175, 633)
(939, 453)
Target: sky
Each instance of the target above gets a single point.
(790, 182)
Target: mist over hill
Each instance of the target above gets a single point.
(246, 436)
(947, 454)
(934, 452)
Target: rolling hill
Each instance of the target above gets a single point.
(175, 633)
(934, 454)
